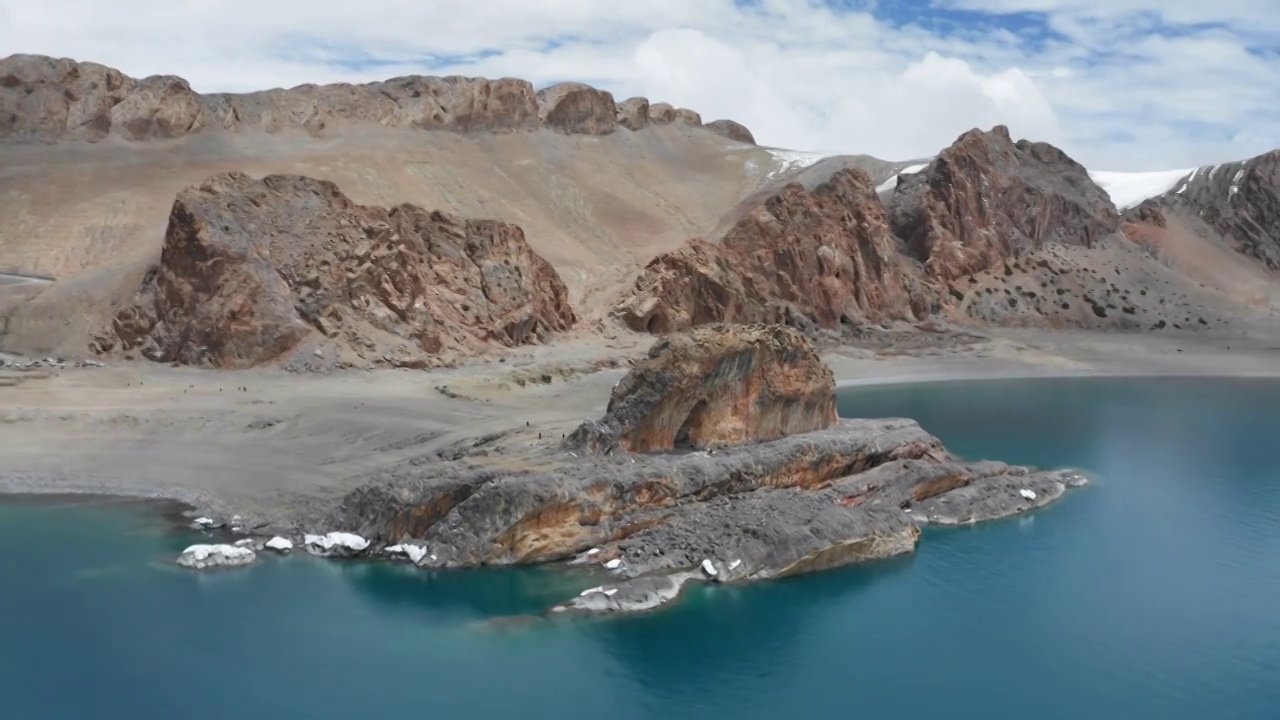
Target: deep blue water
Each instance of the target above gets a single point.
(1155, 593)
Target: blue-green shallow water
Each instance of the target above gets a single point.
(1152, 594)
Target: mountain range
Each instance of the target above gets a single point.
(418, 220)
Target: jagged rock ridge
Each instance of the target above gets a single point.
(252, 268)
(714, 386)
(47, 99)
(822, 257)
(986, 199)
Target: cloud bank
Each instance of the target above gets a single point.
(1122, 85)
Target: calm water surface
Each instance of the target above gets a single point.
(1154, 593)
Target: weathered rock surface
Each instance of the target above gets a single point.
(46, 99)
(714, 386)
(1240, 201)
(667, 114)
(633, 113)
(577, 109)
(853, 491)
(822, 257)
(732, 130)
(987, 199)
(252, 268)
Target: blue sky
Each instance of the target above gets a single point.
(1120, 85)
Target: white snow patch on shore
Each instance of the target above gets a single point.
(709, 568)
(279, 544)
(1028, 494)
(199, 557)
(335, 541)
(415, 553)
(1128, 189)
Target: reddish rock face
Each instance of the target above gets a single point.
(715, 386)
(251, 268)
(823, 257)
(666, 114)
(577, 109)
(986, 199)
(46, 99)
(732, 130)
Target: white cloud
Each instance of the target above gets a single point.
(1106, 88)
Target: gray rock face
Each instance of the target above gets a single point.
(1239, 200)
(853, 493)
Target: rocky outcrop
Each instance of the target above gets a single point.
(987, 199)
(43, 99)
(716, 386)
(633, 113)
(732, 130)
(823, 257)
(1240, 201)
(848, 491)
(667, 114)
(577, 109)
(252, 268)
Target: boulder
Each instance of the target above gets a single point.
(732, 130)
(250, 269)
(204, 557)
(633, 113)
(822, 257)
(716, 386)
(577, 109)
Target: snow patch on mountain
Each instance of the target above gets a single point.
(1128, 189)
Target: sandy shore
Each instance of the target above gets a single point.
(270, 445)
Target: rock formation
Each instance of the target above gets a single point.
(851, 491)
(45, 99)
(732, 130)
(251, 268)
(986, 199)
(1239, 201)
(820, 257)
(714, 386)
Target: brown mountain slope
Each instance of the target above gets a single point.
(596, 206)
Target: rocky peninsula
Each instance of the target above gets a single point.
(720, 458)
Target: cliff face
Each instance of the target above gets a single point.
(45, 99)
(715, 386)
(251, 268)
(823, 257)
(986, 199)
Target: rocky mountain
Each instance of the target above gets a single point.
(251, 269)
(1237, 201)
(989, 231)
(823, 256)
(647, 215)
(986, 199)
(44, 99)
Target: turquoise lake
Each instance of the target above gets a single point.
(1153, 593)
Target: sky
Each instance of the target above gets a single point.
(1119, 85)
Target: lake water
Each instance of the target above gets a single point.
(1154, 593)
